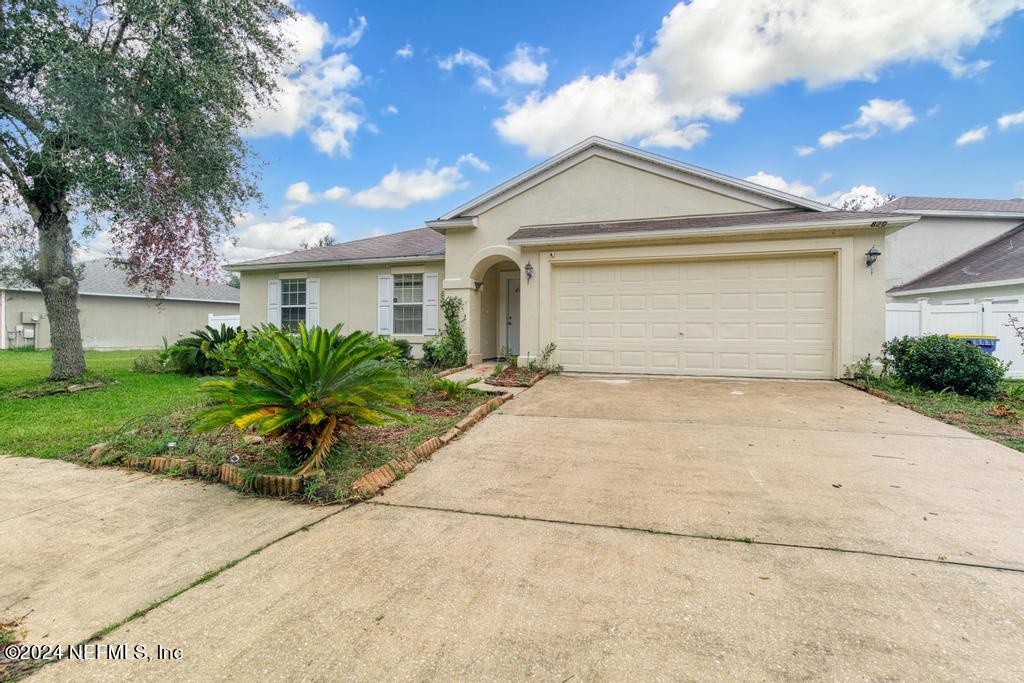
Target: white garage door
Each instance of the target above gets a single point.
(771, 317)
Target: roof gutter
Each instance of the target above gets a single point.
(702, 232)
(298, 265)
(952, 288)
(441, 225)
(950, 213)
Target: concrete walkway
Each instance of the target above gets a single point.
(612, 528)
(81, 549)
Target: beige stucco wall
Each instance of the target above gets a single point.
(118, 322)
(348, 294)
(601, 189)
(914, 250)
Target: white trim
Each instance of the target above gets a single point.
(953, 288)
(240, 267)
(443, 225)
(687, 232)
(953, 213)
(3, 319)
(601, 144)
(33, 290)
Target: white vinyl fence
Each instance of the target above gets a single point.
(215, 321)
(982, 318)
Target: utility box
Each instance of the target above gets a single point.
(30, 332)
(30, 318)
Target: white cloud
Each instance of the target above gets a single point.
(474, 161)
(404, 52)
(391, 109)
(707, 53)
(336, 193)
(356, 28)
(685, 137)
(1007, 121)
(300, 192)
(313, 93)
(875, 115)
(257, 237)
(525, 66)
(399, 189)
(804, 150)
(779, 183)
(858, 198)
(972, 135)
(933, 110)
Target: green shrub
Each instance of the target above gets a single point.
(452, 389)
(196, 355)
(449, 349)
(941, 363)
(318, 387)
(148, 363)
(244, 348)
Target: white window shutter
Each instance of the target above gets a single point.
(430, 304)
(384, 304)
(274, 302)
(312, 302)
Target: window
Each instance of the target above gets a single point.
(293, 304)
(408, 300)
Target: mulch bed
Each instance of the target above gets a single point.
(515, 377)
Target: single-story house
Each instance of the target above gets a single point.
(628, 261)
(957, 253)
(113, 315)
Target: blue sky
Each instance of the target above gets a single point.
(881, 91)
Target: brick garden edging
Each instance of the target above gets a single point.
(283, 484)
(372, 482)
(267, 484)
(452, 371)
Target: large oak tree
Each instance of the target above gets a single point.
(125, 116)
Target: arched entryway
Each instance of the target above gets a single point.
(498, 291)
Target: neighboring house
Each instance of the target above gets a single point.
(993, 270)
(922, 258)
(628, 261)
(113, 315)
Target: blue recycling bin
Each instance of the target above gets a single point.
(985, 342)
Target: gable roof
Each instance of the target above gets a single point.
(1000, 260)
(103, 277)
(669, 227)
(956, 206)
(408, 244)
(598, 145)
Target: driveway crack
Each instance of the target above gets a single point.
(700, 537)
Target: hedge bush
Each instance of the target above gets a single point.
(940, 363)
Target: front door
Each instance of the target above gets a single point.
(510, 301)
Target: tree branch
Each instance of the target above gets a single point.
(22, 114)
(13, 171)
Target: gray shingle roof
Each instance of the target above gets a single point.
(408, 243)
(999, 259)
(698, 222)
(103, 276)
(1013, 206)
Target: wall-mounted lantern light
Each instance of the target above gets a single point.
(872, 255)
(528, 268)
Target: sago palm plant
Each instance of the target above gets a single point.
(320, 386)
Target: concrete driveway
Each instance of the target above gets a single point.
(605, 528)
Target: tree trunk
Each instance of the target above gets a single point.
(56, 278)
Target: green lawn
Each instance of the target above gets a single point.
(63, 424)
(999, 419)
